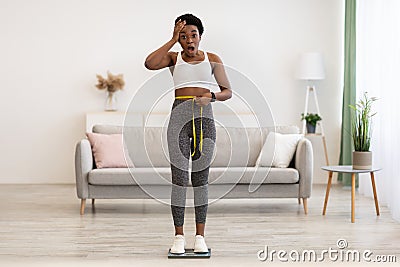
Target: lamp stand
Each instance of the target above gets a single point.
(312, 89)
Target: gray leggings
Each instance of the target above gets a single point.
(181, 145)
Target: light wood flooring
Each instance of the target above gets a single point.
(40, 225)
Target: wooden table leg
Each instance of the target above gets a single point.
(325, 150)
(375, 195)
(328, 188)
(353, 195)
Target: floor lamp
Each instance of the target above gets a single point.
(311, 68)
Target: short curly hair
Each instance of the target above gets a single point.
(191, 20)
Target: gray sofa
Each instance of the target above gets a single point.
(233, 171)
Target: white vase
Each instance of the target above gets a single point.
(111, 102)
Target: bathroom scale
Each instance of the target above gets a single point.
(189, 254)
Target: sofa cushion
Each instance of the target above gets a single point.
(131, 176)
(107, 129)
(218, 175)
(108, 150)
(278, 150)
(237, 147)
(248, 175)
(147, 147)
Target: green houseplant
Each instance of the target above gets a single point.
(361, 132)
(311, 121)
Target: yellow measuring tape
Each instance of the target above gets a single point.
(194, 127)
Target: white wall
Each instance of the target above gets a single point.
(50, 51)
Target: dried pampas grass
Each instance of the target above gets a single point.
(112, 84)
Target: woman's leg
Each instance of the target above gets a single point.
(200, 227)
(180, 180)
(178, 136)
(201, 161)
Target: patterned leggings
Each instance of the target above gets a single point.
(182, 145)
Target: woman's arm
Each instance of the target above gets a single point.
(221, 78)
(162, 58)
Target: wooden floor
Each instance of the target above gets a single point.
(40, 224)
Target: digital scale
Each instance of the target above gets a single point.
(189, 254)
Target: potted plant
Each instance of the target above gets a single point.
(112, 84)
(361, 132)
(311, 121)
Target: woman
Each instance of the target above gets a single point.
(191, 128)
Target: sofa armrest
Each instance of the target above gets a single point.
(304, 164)
(83, 165)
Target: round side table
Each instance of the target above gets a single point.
(349, 169)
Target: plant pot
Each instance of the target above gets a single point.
(111, 102)
(310, 128)
(362, 160)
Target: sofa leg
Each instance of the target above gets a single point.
(305, 205)
(92, 201)
(298, 200)
(83, 202)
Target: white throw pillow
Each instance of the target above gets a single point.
(278, 150)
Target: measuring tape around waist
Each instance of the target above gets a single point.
(193, 124)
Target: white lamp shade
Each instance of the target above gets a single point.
(310, 67)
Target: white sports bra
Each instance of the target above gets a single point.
(192, 75)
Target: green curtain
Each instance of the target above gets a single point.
(349, 90)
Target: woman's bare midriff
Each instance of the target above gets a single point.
(191, 91)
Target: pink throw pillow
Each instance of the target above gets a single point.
(108, 150)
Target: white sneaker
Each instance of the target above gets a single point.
(179, 245)
(200, 244)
